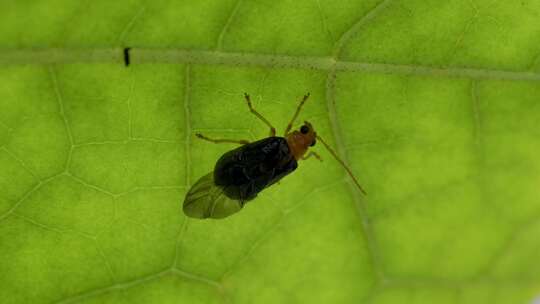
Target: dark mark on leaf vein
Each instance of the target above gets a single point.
(126, 56)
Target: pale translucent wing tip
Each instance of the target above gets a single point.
(206, 200)
(196, 197)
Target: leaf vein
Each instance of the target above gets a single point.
(118, 286)
(130, 25)
(266, 235)
(20, 161)
(52, 229)
(37, 186)
(353, 30)
(232, 15)
(187, 151)
(367, 230)
(324, 63)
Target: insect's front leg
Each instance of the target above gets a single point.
(311, 153)
(219, 141)
(252, 110)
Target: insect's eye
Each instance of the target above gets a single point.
(304, 129)
(313, 143)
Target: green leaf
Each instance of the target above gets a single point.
(435, 106)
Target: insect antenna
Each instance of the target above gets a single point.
(342, 163)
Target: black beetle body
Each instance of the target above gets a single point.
(247, 170)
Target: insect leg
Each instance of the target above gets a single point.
(218, 141)
(289, 126)
(311, 153)
(248, 100)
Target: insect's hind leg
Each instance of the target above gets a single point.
(298, 108)
(219, 141)
(252, 110)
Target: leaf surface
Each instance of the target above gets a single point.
(434, 105)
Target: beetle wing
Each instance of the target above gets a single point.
(207, 200)
(247, 170)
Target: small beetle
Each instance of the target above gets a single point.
(240, 174)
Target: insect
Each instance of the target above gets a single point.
(240, 174)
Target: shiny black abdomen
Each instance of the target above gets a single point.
(247, 170)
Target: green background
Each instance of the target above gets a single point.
(435, 105)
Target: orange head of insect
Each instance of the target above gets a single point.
(299, 141)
